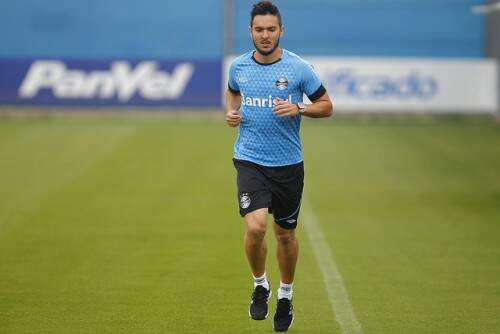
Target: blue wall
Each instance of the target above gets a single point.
(429, 28)
(111, 28)
(194, 29)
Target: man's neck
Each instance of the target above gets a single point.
(271, 58)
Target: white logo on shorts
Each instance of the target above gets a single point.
(291, 221)
(245, 200)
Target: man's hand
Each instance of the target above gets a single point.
(284, 108)
(233, 118)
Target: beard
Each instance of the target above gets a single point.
(266, 53)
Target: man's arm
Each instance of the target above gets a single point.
(233, 102)
(321, 107)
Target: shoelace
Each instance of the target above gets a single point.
(260, 294)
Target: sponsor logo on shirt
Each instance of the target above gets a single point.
(263, 102)
(242, 79)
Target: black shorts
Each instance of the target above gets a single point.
(277, 188)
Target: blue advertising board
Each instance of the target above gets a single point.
(148, 83)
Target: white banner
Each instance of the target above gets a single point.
(409, 85)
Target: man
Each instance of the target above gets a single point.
(264, 98)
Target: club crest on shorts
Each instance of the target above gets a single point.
(245, 200)
(282, 82)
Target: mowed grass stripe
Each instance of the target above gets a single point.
(144, 236)
(414, 228)
(37, 158)
(123, 235)
(145, 239)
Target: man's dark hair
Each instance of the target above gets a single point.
(265, 8)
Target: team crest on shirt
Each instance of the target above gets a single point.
(282, 82)
(245, 200)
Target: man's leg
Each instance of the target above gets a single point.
(256, 251)
(255, 242)
(287, 252)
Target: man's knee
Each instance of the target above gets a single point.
(256, 226)
(256, 232)
(285, 237)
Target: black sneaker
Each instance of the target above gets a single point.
(283, 317)
(258, 306)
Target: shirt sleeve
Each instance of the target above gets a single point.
(311, 84)
(232, 84)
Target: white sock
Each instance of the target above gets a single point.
(262, 280)
(285, 291)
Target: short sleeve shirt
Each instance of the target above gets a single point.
(264, 138)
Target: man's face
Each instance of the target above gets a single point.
(266, 32)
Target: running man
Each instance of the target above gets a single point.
(264, 98)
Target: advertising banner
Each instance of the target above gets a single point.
(410, 85)
(149, 83)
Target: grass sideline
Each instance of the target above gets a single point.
(130, 225)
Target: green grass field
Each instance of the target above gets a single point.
(113, 225)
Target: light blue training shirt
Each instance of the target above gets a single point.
(263, 137)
